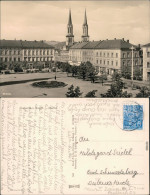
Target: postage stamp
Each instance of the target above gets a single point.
(132, 117)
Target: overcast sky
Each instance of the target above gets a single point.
(47, 20)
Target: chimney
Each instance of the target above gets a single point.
(127, 41)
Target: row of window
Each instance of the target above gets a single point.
(112, 55)
(135, 62)
(129, 55)
(29, 52)
(10, 59)
(36, 59)
(25, 59)
(104, 62)
(38, 52)
(10, 52)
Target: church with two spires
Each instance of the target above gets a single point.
(70, 36)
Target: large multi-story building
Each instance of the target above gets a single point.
(31, 52)
(107, 55)
(146, 62)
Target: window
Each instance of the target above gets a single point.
(148, 64)
(40, 52)
(128, 62)
(104, 54)
(100, 54)
(112, 63)
(112, 55)
(116, 63)
(36, 52)
(107, 62)
(124, 55)
(104, 62)
(5, 59)
(108, 55)
(128, 55)
(116, 55)
(123, 63)
(135, 55)
(100, 61)
(9, 52)
(18, 59)
(14, 51)
(136, 62)
(97, 54)
(14, 59)
(97, 61)
(148, 54)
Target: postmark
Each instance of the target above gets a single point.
(132, 117)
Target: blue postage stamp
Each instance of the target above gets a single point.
(132, 117)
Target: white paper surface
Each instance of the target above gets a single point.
(72, 146)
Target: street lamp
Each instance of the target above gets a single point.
(132, 48)
(55, 70)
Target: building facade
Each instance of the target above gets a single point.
(30, 52)
(146, 62)
(107, 56)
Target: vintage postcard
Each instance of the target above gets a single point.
(90, 146)
(59, 49)
(90, 61)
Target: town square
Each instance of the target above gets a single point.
(79, 66)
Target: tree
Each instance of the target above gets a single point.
(91, 94)
(73, 92)
(17, 67)
(86, 70)
(3, 66)
(144, 92)
(116, 89)
(75, 70)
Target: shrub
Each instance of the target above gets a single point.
(91, 94)
(73, 92)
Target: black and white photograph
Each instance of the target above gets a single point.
(61, 49)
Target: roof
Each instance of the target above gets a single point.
(60, 45)
(104, 44)
(91, 45)
(24, 44)
(78, 45)
(10, 43)
(147, 45)
(114, 44)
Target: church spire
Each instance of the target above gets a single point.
(69, 36)
(85, 36)
(70, 20)
(85, 18)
